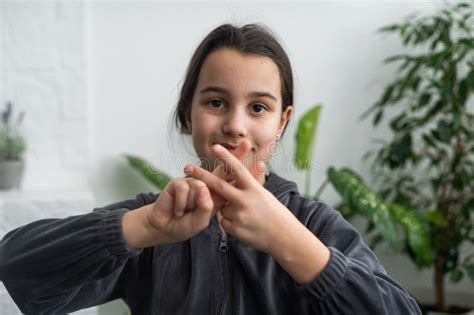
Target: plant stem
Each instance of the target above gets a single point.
(320, 189)
(307, 183)
(439, 281)
(446, 202)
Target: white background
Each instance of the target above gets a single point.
(135, 55)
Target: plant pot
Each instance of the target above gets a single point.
(11, 173)
(452, 310)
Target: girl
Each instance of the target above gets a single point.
(226, 238)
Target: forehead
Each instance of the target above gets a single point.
(239, 72)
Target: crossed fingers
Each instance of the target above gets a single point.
(231, 167)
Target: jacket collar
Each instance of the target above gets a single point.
(280, 187)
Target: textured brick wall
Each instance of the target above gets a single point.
(42, 70)
(43, 73)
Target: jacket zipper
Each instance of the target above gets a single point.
(223, 247)
(223, 243)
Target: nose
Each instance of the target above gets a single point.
(235, 124)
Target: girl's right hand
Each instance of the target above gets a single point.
(183, 209)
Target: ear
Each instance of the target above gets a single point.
(188, 120)
(285, 116)
(189, 125)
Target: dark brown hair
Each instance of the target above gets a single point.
(249, 39)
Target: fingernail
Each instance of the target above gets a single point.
(188, 169)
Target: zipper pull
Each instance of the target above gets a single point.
(223, 243)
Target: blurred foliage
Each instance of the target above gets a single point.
(12, 143)
(156, 177)
(358, 197)
(427, 167)
(383, 217)
(305, 137)
(424, 174)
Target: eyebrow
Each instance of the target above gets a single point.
(225, 91)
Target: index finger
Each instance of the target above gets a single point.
(215, 183)
(233, 165)
(241, 153)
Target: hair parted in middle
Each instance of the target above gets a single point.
(252, 39)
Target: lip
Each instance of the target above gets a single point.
(232, 147)
(228, 146)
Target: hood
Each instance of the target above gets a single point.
(280, 187)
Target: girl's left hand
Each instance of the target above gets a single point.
(252, 213)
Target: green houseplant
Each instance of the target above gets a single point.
(428, 164)
(358, 198)
(12, 147)
(425, 172)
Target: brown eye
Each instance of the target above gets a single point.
(258, 108)
(216, 104)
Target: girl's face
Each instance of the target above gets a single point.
(237, 97)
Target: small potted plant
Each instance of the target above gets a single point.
(12, 147)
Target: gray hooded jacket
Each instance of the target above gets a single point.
(57, 266)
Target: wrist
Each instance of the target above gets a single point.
(283, 238)
(137, 231)
(300, 252)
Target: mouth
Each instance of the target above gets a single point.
(233, 147)
(228, 146)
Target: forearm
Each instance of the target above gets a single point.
(46, 264)
(353, 281)
(300, 252)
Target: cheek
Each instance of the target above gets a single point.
(202, 134)
(199, 139)
(266, 145)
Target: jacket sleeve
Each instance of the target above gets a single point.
(56, 266)
(353, 281)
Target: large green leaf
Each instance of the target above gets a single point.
(361, 199)
(417, 232)
(305, 135)
(158, 178)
